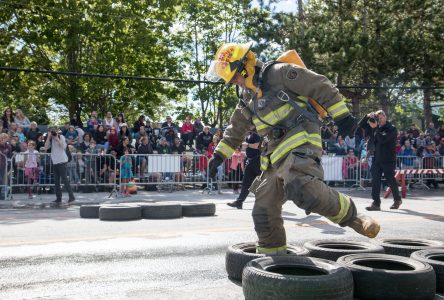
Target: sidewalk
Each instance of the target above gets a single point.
(44, 200)
(190, 195)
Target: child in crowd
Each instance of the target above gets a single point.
(237, 166)
(91, 162)
(71, 136)
(203, 163)
(126, 172)
(71, 167)
(80, 166)
(21, 135)
(31, 166)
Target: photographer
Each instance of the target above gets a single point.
(59, 159)
(382, 138)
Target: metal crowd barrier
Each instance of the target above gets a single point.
(4, 167)
(163, 171)
(106, 173)
(86, 173)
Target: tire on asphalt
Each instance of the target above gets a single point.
(90, 211)
(333, 249)
(383, 276)
(161, 211)
(406, 246)
(435, 258)
(120, 213)
(238, 255)
(295, 277)
(198, 210)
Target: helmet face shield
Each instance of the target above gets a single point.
(219, 70)
(229, 59)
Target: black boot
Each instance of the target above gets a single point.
(237, 204)
(373, 207)
(396, 204)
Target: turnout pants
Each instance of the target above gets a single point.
(297, 178)
(389, 171)
(252, 170)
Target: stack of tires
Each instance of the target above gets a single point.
(128, 212)
(338, 269)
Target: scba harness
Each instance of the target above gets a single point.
(298, 102)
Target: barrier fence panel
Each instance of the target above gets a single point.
(4, 184)
(231, 172)
(434, 165)
(86, 173)
(163, 171)
(345, 170)
(105, 172)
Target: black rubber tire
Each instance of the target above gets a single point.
(198, 210)
(435, 258)
(405, 246)
(383, 276)
(90, 211)
(237, 256)
(328, 280)
(120, 213)
(333, 249)
(161, 211)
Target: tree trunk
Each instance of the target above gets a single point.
(427, 106)
(427, 92)
(73, 65)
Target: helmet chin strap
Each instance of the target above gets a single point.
(250, 68)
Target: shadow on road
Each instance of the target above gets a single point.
(433, 217)
(314, 221)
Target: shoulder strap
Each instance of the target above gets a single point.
(303, 112)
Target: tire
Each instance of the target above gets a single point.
(120, 213)
(435, 258)
(198, 210)
(333, 249)
(295, 277)
(89, 211)
(237, 256)
(382, 276)
(405, 247)
(161, 211)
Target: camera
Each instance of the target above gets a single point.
(53, 133)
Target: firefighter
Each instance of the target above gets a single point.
(275, 101)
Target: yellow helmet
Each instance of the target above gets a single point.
(229, 59)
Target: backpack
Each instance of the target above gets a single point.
(293, 57)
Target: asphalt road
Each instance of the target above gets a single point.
(53, 254)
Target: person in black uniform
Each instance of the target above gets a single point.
(252, 168)
(383, 136)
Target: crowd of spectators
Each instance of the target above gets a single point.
(88, 142)
(115, 137)
(414, 149)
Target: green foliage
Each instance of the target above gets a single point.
(351, 42)
(106, 37)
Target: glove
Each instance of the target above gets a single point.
(347, 126)
(215, 162)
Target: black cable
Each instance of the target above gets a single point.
(14, 69)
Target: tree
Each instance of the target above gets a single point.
(129, 37)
